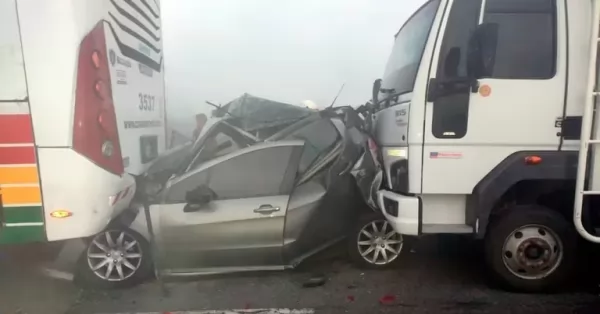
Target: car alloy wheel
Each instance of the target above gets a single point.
(114, 255)
(378, 243)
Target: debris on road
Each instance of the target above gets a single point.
(315, 281)
(387, 299)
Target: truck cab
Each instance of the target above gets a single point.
(479, 118)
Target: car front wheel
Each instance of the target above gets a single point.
(373, 243)
(115, 258)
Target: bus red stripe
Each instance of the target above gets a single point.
(16, 128)
(17, 155)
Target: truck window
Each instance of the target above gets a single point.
(409, 45)
(450, 113)
(526, 38)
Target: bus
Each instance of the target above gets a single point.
(82, 113)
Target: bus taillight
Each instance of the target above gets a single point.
(95, 131)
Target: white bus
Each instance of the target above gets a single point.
(82, 111)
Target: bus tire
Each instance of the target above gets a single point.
(115, 258)
(530, 248)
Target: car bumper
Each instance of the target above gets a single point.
(401, 211)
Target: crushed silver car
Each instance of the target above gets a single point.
(252, 194)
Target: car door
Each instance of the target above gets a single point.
(242, 227)
(324, 199)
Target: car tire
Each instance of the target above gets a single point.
(131, 253)
(362, 248)
(530, 249)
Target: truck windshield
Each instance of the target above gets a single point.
(409, 45)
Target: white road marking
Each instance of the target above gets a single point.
(245, 311)
(57, 274)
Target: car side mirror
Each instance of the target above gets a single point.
(481, 52)
(199, 197)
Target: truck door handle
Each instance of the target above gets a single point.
(266, 209)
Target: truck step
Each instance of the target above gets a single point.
(591, 192)
(445, 228)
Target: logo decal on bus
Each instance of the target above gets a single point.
(112, 56)
(145, 70)
(121, 77)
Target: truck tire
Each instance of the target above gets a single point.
(115, 258)
(373, 243)
(531, 248)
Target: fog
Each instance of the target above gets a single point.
(285, 50)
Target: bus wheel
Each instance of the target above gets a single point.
(115, 258)
(531, 249)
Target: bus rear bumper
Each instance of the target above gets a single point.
(90, 196)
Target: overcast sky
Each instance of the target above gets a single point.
(285, 50)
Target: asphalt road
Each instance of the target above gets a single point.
(439, 275)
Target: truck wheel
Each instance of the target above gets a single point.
(373, 243)
(531, 249)
(115, 258)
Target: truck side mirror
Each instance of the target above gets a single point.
(481, 53)
(375, 91)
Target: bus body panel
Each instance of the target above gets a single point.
(138, 87)
(12, 76)
(50, 55)
(40, 172)
(102, 196)
(137, 81)
(21, 216)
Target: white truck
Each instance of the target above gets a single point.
(82, 111)
(485, 116)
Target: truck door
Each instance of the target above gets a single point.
(468, 131)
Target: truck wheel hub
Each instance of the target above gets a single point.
(532, 252)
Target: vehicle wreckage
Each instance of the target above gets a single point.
(266, 186)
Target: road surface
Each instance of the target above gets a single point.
(439, 275)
